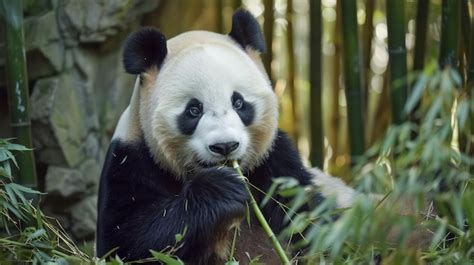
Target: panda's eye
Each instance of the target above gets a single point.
(195, 111)
(238, 103)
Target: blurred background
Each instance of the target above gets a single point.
(77, 87)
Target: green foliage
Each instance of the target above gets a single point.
(27, 234)
(423, 208)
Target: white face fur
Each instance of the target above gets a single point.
(209, 103)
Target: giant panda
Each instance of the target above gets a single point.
(200, 99)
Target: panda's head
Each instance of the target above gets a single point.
(203, 98)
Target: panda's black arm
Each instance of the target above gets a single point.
(283, 161)
(137, 211)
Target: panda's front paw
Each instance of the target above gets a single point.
(220, 189)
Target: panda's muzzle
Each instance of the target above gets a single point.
(224, 149)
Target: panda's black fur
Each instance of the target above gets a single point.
(144, 49)
(142, 206)
(146, 205)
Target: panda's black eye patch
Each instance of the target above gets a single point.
(189, 118)
(243, 108)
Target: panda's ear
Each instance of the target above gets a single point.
(246, 31)
(144, 49)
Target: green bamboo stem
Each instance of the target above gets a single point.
(465, 28)
(269, 17)
(464, 68)
(261, 219)
(470, 88)
(17, 82)
(353, 79)
(450, 20)
(421, 29)
(291, 85)
(397, 58)
(368, 34)
(334, 117)
(236, 4)
(316, 113)
(219, 6)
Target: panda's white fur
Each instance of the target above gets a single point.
(161, 97)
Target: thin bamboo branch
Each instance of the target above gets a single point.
(11, 13)
(353, 79)
(261, 219)
(316, 114)
(397, 58)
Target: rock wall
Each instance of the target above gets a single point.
(78, 91)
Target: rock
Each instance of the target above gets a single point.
(44, 47)
(91, 21)
(59, 120)
(64, 183)
(91, 171)
(45, 50)
(84, 218)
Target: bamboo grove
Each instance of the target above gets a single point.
(378, 92)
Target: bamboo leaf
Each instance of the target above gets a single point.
(440, 233)
(416, 94)
(434, 110)
(179, 237)
(16, 147)
(5, 170)
(38, 233)
(11, 195)
(25, 189)
(462, 113)
(14, 210)
(166, 259)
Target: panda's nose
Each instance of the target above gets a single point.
(224, 148)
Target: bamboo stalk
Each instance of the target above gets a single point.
(464, 60)
(397, 58)
(316, 114)
(353, 79)
(421, 29)
(236, 4)
(17, 81)
(465, 28)
(381, 113)
(450, 21)
(219, 6)
(334, 119)
(367, 33)
(422, 10)
(291, 71)
(269, 17)
(470, 88)
(261, 219)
